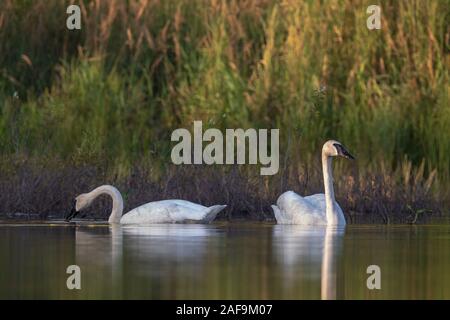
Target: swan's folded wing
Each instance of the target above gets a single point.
(152, 212)
(186, 210)
(184, 204)
(291, 203)
(318, 201)
(298, 210)
(165, 211)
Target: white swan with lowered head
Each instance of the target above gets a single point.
(164, 211)
(317, 209)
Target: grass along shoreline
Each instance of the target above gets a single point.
(376, 198)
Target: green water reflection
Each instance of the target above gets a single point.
(229, 261)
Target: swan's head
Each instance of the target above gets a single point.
(333, 148)
(79, 203)
(82, 201)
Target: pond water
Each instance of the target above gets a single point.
(223, 261)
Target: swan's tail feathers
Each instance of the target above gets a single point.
(212, 213)
(278, 214)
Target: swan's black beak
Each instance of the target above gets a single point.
(343, 152)
(73, 212)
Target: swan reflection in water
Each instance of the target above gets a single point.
(140, 254)
(194, 261)
(312, 250)
(92, 238)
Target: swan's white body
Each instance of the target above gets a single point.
(317, 209)
(171, 211)
(292, 208)
(164, 211)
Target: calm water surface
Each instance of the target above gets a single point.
(223, 261)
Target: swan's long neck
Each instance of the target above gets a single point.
(331, 213)
(117, 207)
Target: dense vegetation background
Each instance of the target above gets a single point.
(82, 108)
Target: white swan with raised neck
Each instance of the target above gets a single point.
(317, 209)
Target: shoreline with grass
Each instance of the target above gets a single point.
(83, 108)
(42, 192)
